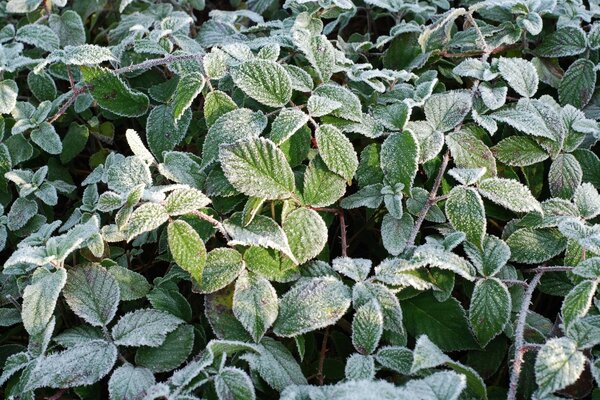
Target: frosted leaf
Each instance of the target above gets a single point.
(578, 301)
(490, 308)
(430, 141)
(337, 151)
(351, 108)
(475, 68)
(468, 151)
(182, 168)
(262, 231)
(520, 75)
(565, 176)
(129, 382)
(399, 155)
(85, 54)
(395, 232)
(163, 133)
(519, 151)
(145, 218)
(183, 201)
(395, 358)
(427, 355)
(445, 385)
(265, 81)
(310, 305)
(510, 194)
(493, 96)
(46, 137)
(38, 35)
(558, 364)
(587, 200)
(21, 211)
(255, 304)
(301, 80)
(589, 268)
(258, 168)
(400, 272)
(435, 257)
(306, 233)
(80, 365)
(318, 50)
(360, 367)
(132, 285)
(223, 265)
(565, 41)
(489, 259)
(534, 118)
(234, 383)
(465, 212)
(369, 196)
(446, 110)
(354, 268)
(467, 176)
(534, 246)
(287, 122)
(144, 327)
(188, 87)
(171, 354)
(320, 105)
(123, 176)
(92, 293)
(367, 327)
(576, 85)
(363, 292)
(111, 92)
(137, 146)
(22, 6)
(8, 95)
(276, 365)
(187, 248)
(68, 27)
(39, 298)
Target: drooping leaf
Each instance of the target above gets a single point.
(255, 304)
(187, 248)
(490, 308)
(558, 364)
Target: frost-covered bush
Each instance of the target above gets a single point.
(316, 199)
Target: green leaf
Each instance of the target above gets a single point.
(21, 211)
(588, 268)
(112, 94)
(446, 110)
(188, 87)
(128, 174)
(306, 233)
(578, 83)
(510, 194)
(163, 133)
(256, 167)
(395, 358)
(86, 54)
(587, 200)
(533, 117)
(22, 6)
(170, 354)
(444, 322)
(491, 257)
(234, 384)
(465, 212)
(520, 75)
(558, 364)
(265, 81)
(38, 35)
(92, 293)
(395, 232)
(39, 298)
(354, 268)
(578, 301)
(363, 292)
(132, 285)
(490, 309)
(399, 155)
(68, 27)
(8, 95)
(42, 86)
(144, 327)
(80, 365)
(74, 142)
(322, 187)
(217, 104)
(564, 42)
(311, 304)
(183, 201)
(255, 304)
(146, 218)
(319, 52)
(534, 246)
(129, 382)
(187, 248)
(564, 176)
(519, 151)
(367, 327)
(336, 151)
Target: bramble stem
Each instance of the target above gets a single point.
(156, 62)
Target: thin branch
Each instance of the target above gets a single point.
(214, 222)
(322, 353)
(520, 347)
(431, 200)
(156, 62)
(343, 233)
(63, 109)
(541, 270)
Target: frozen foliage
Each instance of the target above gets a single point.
(333, 200)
